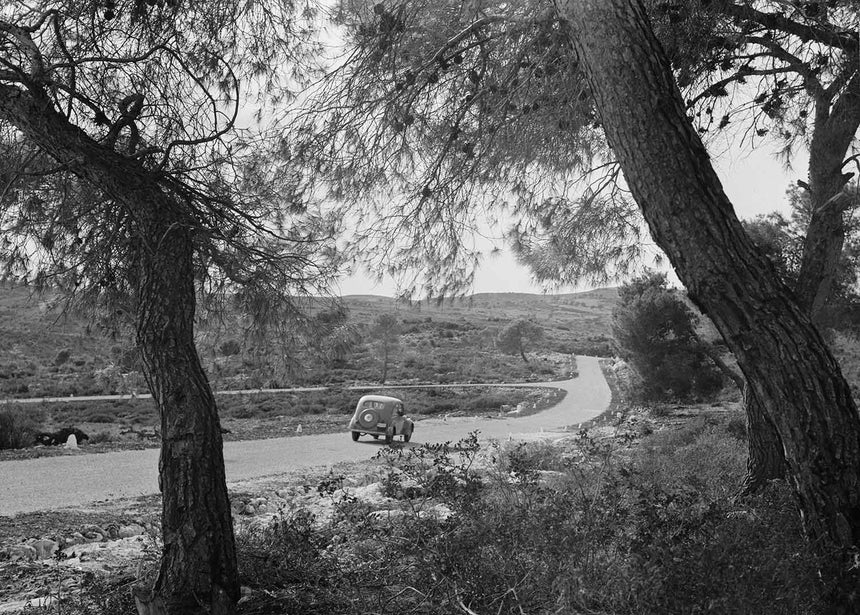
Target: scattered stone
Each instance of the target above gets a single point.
(127, 531)
(550, 475)
(20, 552)
(45, 548)
(371, 494)
(72, 442)
(74, 539)
(246, 593)
(386, 515)
(93, 533)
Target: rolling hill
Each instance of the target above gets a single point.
(43, 352)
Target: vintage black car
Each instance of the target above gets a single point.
(380, 415)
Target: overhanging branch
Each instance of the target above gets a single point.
(847, 41)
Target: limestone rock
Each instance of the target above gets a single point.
(127, 531)
(94, 533)
(20, 552)
(45, 548)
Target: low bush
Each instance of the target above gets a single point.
(19, 426)
(229, 348)
(101, 436)
(291, 567)
(655, 530)
(523, 458)
(62, 356)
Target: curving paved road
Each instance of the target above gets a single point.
(51, 483)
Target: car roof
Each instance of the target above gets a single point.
(383, 398)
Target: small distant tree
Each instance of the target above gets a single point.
(519, 336)
(655, 331)
(386, 331)
(334, 337)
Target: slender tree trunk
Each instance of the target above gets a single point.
(716, 359)
(766, 458)
(198, 569)
(835, 124)
(783, 357)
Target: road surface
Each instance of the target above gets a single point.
(50, 483)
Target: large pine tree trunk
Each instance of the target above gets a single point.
(198, 569)
(834, 128)
(198, 566)
(766, 459)
(784, 359)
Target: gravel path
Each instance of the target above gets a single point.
(50, 483)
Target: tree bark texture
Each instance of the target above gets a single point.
(198, 566)
(783, 357)
(198, 570)
(766, 459)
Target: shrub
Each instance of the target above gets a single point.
(18, 426)
(62, 357)
(101, 417)
(524, 458)
(290, 563)
(487, 402)
(655, 532)
(100, 436)
(229, 348)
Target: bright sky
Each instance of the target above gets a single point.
(755, 182)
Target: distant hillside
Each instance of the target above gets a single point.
(452, 340)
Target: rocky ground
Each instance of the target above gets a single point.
(47, 556)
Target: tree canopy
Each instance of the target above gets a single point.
(782, 72)
(128, 183)
(464, 111)
(460, 114)
(160, 86)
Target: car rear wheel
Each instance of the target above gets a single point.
(368, 418)
(407, 436)
(388, 438)
(355, 435)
